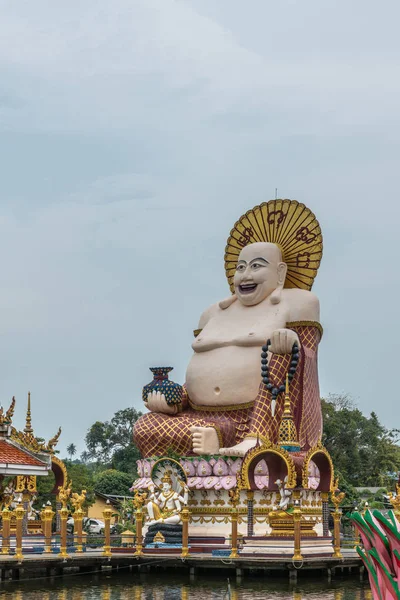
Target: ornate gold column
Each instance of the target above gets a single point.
(139, 537)
(19, 513)
(78, 517)
(297, 531)
(107, 512)
(47, 515)
(234, 534)
(234, 499)
(337, 513)
(64, 494)
(63, 533)
(185, 514)
(337, 498)
(6, 514)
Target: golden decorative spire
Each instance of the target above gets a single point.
(287, 429)
(28, 422)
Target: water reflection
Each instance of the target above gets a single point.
(158, 586)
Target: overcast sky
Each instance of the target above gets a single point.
(133, 134)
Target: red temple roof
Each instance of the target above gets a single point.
(10, 454)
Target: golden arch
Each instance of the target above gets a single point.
(245, 479)
(60, 473)
(322, 459)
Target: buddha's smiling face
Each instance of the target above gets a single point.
(259, 272)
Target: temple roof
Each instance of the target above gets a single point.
(21, 453)
(11, 454)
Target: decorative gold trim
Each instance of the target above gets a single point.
(57, 461)
(263, 438)
(288, 224)
(178, 467)
(219, 434)
(318, 449)
(197, 332)
(243, 480)
(204, 408)
(292, 324)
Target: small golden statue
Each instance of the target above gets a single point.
(337, 496)
(234, 497)
(64, 493)
(395, 500)
(139, 499)
(77, 500)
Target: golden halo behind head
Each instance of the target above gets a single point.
(288, 224)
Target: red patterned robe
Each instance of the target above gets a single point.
(156, 433)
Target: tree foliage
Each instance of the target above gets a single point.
(363, 451)
(113, 482)
(111, 442)
(71, 450)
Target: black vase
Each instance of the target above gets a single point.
(172, 391)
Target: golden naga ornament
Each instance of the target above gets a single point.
(288, 224)
(6, 417)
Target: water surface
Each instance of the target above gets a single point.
(162, 586)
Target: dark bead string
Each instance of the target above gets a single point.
(275, 391)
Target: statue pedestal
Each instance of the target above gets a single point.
(164, 533)
(282, 525)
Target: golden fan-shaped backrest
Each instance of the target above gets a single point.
(288, 224)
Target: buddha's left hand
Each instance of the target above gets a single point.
(282, 341)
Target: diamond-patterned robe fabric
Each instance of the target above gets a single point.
(156, 433)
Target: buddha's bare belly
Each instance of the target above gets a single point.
(224, 376)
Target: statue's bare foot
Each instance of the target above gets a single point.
(205, 440)
(239, 449)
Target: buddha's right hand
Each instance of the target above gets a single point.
(156, 402)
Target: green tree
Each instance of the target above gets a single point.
(111, 442)
(71, 450)
(113, 482)
(363, 451)
(82, 479)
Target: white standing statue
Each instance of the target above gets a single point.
(285, 494)
(166, 505)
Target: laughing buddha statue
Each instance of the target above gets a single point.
(245, 345)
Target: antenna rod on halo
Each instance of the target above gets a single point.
(276, 193)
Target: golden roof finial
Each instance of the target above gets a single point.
(287, 428)
(7, 417)
(28, 422)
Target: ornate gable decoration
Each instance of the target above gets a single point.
(6, 418)
(27, 438)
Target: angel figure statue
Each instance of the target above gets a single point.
(166, 505)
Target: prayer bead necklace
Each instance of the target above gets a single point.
(275, 391)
